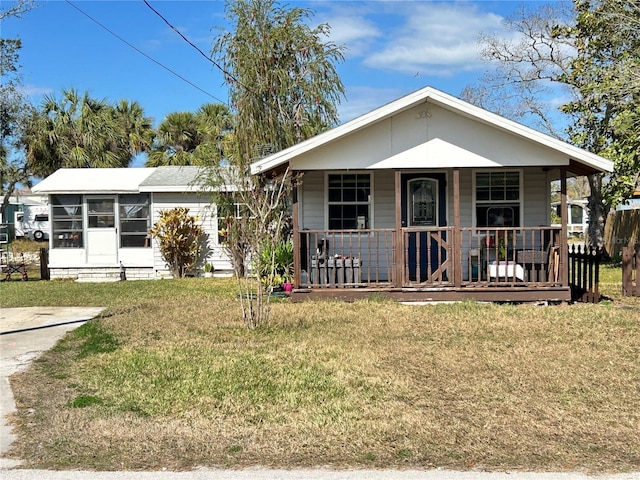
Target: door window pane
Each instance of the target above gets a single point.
(423, 194)
(100, 213)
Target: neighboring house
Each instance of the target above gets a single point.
(430, 198)
(101, 219)
(577, 216)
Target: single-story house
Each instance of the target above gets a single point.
(577, 216)
(100, 220)
(430, 198)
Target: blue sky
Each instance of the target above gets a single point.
(392, 48)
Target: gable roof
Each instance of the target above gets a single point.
(93, 180)
(123, 180)
(171, 179)
(585, 160)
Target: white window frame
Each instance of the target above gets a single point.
(66, 239)
(237, 214)
(370, 201)
(520, 200)
(120, 219)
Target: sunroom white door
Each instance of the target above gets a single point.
(102, 231)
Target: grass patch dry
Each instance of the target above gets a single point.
(171, 378)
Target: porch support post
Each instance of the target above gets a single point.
(564, 246)
(297, 268)
(457, 235)
(399, 250)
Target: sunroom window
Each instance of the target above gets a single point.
(228, 209)
(349, 201)
(67, 221)
(498, 199)
(135, 221)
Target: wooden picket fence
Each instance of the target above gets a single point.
(631, 271)
(584, 273)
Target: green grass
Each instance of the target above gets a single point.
(83, 401)
(170, 377)
(95, 340)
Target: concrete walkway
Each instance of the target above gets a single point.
(24, 334)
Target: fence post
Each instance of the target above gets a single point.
(44, 264)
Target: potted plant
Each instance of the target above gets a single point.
(208, 270)
(276, 265)
(284, 262)
(287, 281)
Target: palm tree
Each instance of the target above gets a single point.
(77, 131)
(138, 128)
(186, 138)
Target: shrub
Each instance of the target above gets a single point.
(179, 237)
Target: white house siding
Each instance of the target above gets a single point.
(313, 200)
(384, 207)
(536, 197)
(200, 207)
(428, 136)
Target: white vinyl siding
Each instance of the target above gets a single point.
(312, 211)
(198, 206)
(536, 201)
(384, 199)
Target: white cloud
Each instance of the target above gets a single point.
(433, 38)
(354, 32)
(33, 91)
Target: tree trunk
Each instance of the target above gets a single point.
(598, 212)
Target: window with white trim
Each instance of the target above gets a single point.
(135, 220)
(498, 199)
(228, 209)
(349, 201)
(67, 221)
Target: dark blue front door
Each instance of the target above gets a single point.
(424, 205)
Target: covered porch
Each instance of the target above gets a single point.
(433, 263)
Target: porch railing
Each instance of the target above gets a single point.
(431, 257)
(511, 256)
(347, 258)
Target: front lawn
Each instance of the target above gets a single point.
(169, 377)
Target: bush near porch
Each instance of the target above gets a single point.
(170, 377)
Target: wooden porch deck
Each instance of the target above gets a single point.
(481, 294)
